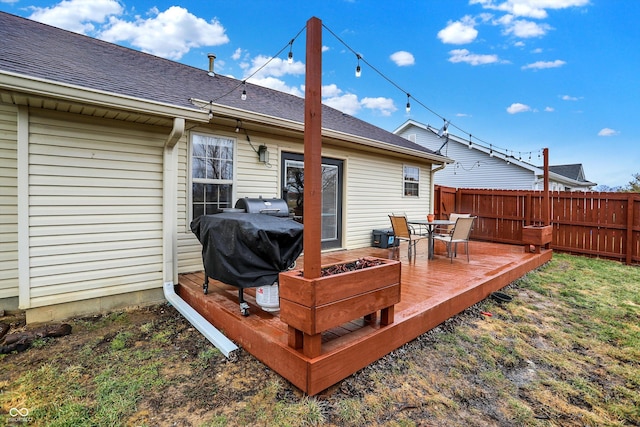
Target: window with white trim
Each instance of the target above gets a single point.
(211, 174)
(411, 180)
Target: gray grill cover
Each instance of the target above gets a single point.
(247, 250)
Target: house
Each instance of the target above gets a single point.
(481, 166)
(107, 154)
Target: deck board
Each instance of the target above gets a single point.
(432, 291)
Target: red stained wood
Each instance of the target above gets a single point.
(313, 149)
(605, 224)
(431, 292)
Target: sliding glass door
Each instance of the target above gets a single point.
(293, 193)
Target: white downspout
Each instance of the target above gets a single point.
(170, 244)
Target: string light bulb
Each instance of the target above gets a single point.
(290, 57)
(210, 110)
(408, 104)
(243, 96)
(358, 69)
(238, 125)
(470, 142)
(490, 150)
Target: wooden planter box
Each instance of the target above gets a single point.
(537, 235)
(311, 306)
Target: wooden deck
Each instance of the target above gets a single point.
(431, 292)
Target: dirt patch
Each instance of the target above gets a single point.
(515, 367)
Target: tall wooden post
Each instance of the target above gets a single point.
(313, 151)
(546, 204)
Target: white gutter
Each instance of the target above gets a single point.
(170, 246)
(222, 343)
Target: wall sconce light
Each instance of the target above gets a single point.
(263, 154)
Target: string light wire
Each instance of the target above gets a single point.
(491, 147)
(486, 144)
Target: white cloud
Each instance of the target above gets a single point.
(276, 84)
(268, 71)
(522, 28)
(78, 16)
(459, 32)
(347, 103)
(538, 65)
(403, 58)
(325, 48)
(536, 9)
(269, 66)
(463, 115)
(330, 91)
(169, 34)
(463, 55)
(569, 98)
(384, 106)
(608, 132)
(517, 107)
(237, 54)
(549, 109)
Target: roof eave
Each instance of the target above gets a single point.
(71, 93)
(246, 115)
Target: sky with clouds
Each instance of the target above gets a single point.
(520, 75)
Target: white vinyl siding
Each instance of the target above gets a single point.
(251, 179)
(473, 168)
(8, 202)
(95, 216)
(373, 188)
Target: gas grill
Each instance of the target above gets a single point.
(248, 249)
(273, 207)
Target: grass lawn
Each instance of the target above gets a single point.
(564, 352)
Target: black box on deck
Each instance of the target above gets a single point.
(384, 238)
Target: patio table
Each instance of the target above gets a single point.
(430, 226)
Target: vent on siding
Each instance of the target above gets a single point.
(412, 137)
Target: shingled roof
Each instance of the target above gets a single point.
(41, 51)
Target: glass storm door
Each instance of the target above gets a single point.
(293, 193)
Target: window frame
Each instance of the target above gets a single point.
(405, 181)
(190, 170)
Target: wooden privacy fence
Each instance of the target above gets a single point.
(595, 224)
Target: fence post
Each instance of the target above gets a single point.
(528, 209)
(629, 246)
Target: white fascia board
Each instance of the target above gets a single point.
(73, 93)
(409, 123)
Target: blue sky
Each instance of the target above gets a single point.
(520, 75)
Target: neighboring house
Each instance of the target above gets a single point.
(107, 155)
(478, 166)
